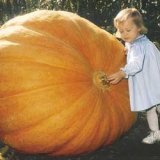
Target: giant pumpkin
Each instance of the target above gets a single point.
(54, 94)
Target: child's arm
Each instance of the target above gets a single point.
(134, 65)
(135, 61)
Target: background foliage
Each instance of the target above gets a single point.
(100, 12)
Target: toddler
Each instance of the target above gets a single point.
(142, 69)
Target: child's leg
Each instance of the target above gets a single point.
(152, 119)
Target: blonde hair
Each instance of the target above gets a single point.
(133, 13)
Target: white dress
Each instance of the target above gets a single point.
(143, 72)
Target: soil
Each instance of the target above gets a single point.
(128, 147)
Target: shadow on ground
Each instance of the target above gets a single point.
(128, 147)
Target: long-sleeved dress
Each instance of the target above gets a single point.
(143, 72)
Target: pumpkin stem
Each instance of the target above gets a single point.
(100, 80)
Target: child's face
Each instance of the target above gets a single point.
(128, 30)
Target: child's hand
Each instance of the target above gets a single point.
(116, 77)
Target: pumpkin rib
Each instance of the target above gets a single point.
(78, 56)
(38, 89)
(6, 60)
(107, 123)
(30, 43)
(73, 149)
(98, 132)
(75, 138)
(67, 77)
(124, 109)
(82, 144)
(42, 118)
(38, 62)
(120, 112)
(109, 67)
(78, 25)
(106, 117)
(84, 55)
(35, 34)
(118, 62)
(108, 120)
(126, 119)
(64, 42)
(11, 59)
(94, 53)
(113, 125)
(103, 51)
(40, 32)
(23, 133)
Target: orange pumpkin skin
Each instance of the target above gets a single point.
(54, 97)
